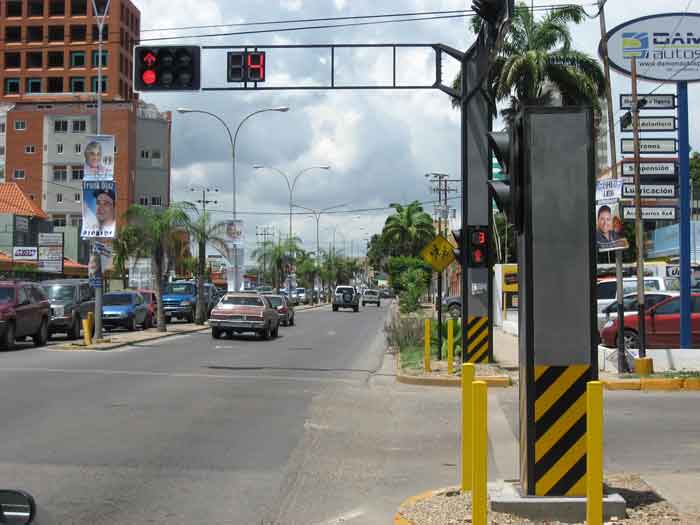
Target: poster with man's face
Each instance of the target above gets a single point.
(609, 231)
(99, 209)
(99, 157)
(234, 233)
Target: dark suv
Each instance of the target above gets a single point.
(346, 297)
(24, 311)
(71, 300)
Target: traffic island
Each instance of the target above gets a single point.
(660, 382)
(407, 373)
(640, 505)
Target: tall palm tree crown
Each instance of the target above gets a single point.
(409, 226)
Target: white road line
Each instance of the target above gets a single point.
(345, 517)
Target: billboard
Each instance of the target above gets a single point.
(99, 157)
(234, 232)
(24, 253)
(99, 216)
(51, 252)
(666, 46)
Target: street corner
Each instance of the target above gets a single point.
(406, 508)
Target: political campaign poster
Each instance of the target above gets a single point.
(609, 226)
(99, 215)
(99, 157)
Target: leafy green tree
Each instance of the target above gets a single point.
(409, 227)
(695, 170)
(153, 231)
(122, 248)
(277, 257)
(398, 266)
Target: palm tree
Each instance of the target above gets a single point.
(276, 256)
(123, 249)
(153, 231)
(537, 63)
(205, 233)
(410, 227)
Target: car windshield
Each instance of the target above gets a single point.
(301, 290)
(7, 295)
(58, 292)
(275, 301)
(370, 292)
(242, 301)
(345, 289)
(180, 289)
(117, 299)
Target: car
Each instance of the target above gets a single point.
(180, 301)
(386, 293)
(662, 325)
(346, 297)
(265, 289)
(453, 305)
(630, 305)
(127, 309)
(284, 309)
(372, 297)
(152, 304)
(606, 288)
(293, 297)
(239, 312)
(302, 296)
(71, 300)
(24, 311)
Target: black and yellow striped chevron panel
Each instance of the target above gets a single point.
(560, 430)
(477, 340)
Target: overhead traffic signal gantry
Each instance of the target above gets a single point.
(167, 68)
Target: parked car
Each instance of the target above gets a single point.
(453, 305)
(71, 300)
(239, 312)
(152, 304)
(24, 311)
(302, 296)
(180, 300)
(662, 323)
(386, 293)
(630, 305)
(607, 288)
(346, 297)
(127, 309)
(284, 309)
(371, 297)
(293, 297)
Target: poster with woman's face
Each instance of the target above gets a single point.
(609, 228)
(99, 157)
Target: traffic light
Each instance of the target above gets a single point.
(167, 68)
(478, 246)
(246, 66)
(459, 250)
(508, 193)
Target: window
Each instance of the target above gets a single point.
(20, 125)
(2, 127)
(38, 294)
(60, 173)
(96, 57)
(78, 148)
(104, 84)
(55, 58)
(57, 33)
(77, 84)
(23, 295)
(76, 197)
(33, 85)
(77, 173)
(79, 126)
(36, 8)
(13, 61)
(78, 7)
(35, 59)
(59, 197)
(2, 174)
(59, 220)
(77, 59)
(76, 220)
(29, 149)
(671, 307)
(11, 86)
(59, 149)
(78, 33)
(155, 154)
(156, 201)
(96, 33)
(35, 33)
(13, 34)
(101, 5)
(2, 150)
(60, 126)
(57, 8)
(143, 201)
(18, 174)
(145, 154)
(14, 8)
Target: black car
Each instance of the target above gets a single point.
(71, 300)
(346, 297)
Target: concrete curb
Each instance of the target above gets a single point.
(492, 381)
(651, 384)
(120, 344)
(408, 502)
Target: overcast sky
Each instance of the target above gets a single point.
(379, 144)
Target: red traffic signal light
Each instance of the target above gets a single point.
(478, 246)
(149, 77)
(167, 68)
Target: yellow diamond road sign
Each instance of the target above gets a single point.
(438, 253)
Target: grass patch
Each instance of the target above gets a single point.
(670, 374)
(412, 357)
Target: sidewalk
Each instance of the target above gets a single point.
(505, 349)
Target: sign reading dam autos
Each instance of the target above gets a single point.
(24, 253)
(666, 46)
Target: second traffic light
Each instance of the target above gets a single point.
(167, 68)
(478, 239)
(507, 146)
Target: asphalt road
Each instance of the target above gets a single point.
(182, 430)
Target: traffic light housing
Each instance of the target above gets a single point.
(478, 246)
(167, 68)
(492, 11)
(507, 146)
(459, 250)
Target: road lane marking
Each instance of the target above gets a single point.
(343, 518)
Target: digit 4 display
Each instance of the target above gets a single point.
(246, 66)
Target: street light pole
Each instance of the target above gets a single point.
(232, 140)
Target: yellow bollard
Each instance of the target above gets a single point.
(426, 338)
(91, 320)
(594, 453)
(480, 451)
(450, 346)
(87, 333)
(467, 380)
(644, 366)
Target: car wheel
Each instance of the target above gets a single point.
(8, 338)
(131, 324)
(363, 305)
(167, 319)
(378, 305)
(631, 340)
(74, 332)
(276, 332)
(356, 309)
(147, 322)
(215, 333)
(455, 311)
(190, 318)
(42, 335)
(291, 321)
(335, 308)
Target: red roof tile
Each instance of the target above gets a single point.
(14, 200)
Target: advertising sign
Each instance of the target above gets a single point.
(608, 190)
(608, 222)
(652, 124)
(656, 168)
(651, 213)
(99, 217)
(234, 232)
(99, 157)
(51, 252)
(651, 191)
(654, 101)
(666, 46)
(140, 273)
(24, 253)
(650, 146)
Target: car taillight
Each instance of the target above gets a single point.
(282, 309)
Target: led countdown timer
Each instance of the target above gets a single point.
(246, 66)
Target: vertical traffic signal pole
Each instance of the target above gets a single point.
(464, 153)
(684, 227)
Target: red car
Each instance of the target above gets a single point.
(663, 325)
(151, 303)
(24, 311)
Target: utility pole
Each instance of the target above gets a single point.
(638, 216)
(622, 365)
